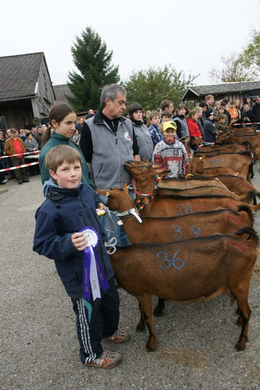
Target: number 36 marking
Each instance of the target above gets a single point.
(174, 262)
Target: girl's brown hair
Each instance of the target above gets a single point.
(58, 112)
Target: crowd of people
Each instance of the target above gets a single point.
(15, 142)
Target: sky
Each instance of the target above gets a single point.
(191, 35)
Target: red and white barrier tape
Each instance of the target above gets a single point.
(246, 123)
(20, 154)
(19, 166)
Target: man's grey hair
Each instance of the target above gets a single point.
(111, 91)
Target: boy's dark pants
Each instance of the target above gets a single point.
(96, 320)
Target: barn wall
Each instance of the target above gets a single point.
(45, 95)
(18, 114)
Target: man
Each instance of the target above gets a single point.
(15, 145)
(79, 125)
(108, 141)
(167, 105)
(33, 131)
(246, 113)
(209, 99)
(39, 136)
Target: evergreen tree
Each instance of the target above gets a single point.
(93, 61)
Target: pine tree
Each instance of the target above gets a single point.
(93, 61)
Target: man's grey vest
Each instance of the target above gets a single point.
(110, 152)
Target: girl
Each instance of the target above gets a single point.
(62, 120)
(192, 124)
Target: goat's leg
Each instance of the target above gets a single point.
(142, 323)
(146, 305)
(244, 316)
(158, 310)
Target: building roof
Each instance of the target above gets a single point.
(19, 75)
(196, 91)
(61, 91)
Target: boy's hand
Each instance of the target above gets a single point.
(79, 241)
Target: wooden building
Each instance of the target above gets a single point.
(231, 91)
(26, 91)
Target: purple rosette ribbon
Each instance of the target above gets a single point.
(93, 274)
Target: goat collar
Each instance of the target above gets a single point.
(130, 212)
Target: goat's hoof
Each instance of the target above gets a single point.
(150, 348)
(158, 312)
(241, 345)
(140, 328)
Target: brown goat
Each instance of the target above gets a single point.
(253, 138)
(240, 162)
(232, 180)
(144, 174)
(162, 229)
(188, 271)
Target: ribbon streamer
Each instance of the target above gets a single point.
(93, 275)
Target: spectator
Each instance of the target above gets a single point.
(32, 146)
(15, 145)
(223, 110)
(180, 120)
(256, 113)
(76, 136)
(153, 124)
(170, 154)
(39, 136)
(199, 120)
(90, 114)
(167, 105)
(246, 113)
(165, 116)
(233, 112)
(2, 165)
(143, 136)
(22, 134)
(79, 125)
(33, 131)
(209, 99)
(203, 105)
(209, 130)
(221, 123)
(193, 126)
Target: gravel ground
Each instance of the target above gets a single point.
(39, 348)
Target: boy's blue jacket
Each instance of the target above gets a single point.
(63, 213)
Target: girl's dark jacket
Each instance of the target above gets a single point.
(63, 213)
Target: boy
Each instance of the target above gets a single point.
(221, 124)
(165, 116)
(170, 153)
(70, 207)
